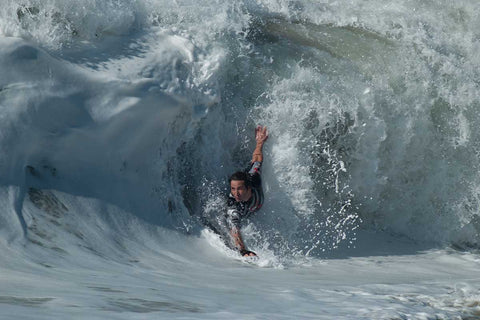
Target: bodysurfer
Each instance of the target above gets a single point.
(246, 194)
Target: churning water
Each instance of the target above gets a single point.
(120, 121)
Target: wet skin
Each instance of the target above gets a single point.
(239, 191)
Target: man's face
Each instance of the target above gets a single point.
(239, 191)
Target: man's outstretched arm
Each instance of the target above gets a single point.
(237, 238)
(261, 135)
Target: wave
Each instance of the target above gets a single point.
(148, 106)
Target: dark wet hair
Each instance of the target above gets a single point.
(241, 176)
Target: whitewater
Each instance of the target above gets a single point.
(121, 120)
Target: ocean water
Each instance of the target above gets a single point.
(120, 121)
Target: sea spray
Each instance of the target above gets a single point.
(120, 122)
(372, 119)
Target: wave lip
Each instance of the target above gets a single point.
(56, 23)
(377, 134)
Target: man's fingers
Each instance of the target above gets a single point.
(261, 133)
(265, 133)
(246, 253)
(261, 129)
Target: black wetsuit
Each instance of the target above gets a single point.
(237, 210)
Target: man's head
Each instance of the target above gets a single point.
(240, 186)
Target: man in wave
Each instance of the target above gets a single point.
(246, 194)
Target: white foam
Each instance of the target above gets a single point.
(132, 113)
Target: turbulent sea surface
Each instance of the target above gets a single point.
(120, 121)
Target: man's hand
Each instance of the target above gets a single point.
(261, 134)
(246, 253)
(237, 239)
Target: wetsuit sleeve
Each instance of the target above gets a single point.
(233, 215)
(254, 172)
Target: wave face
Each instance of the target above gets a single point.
(149, 106)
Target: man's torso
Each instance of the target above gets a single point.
(237, 210)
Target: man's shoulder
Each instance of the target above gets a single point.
(253, 167)
(256, 180)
